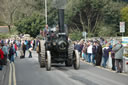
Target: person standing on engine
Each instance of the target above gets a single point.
(45, 31)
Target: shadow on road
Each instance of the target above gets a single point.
(60, 67)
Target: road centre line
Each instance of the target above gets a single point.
(10, 74)
(14, 74)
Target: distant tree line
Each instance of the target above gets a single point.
(96, 17)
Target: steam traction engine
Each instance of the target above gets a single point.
(57, 49)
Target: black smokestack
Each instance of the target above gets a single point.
(61, 20)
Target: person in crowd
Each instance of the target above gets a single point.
(17, 43)
(98, 56)
(79, 46)
(101, 40)
(30, 50)
(1, 57)
(15, 48)
(11, 53)
(76, 46)
(24, 49)
(5, 50)
(110, 45)
(34, 42)
(26, 43)
(84, 52)
(94, 51)
(106, 51)
(89, 51)
(119, 49)
(2, 41)
(113, 60)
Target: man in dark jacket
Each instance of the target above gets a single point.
(106, 51)
(24, 49)
(98, 54)
(94, 51)
(11, 53)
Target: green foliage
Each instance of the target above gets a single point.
(106, 30)
(124, 13)
(4, 36)
(75, 35)
(13, 31)
(30, 25)
(86, 14)
(95, 16)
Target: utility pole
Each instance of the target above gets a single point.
(46, 20)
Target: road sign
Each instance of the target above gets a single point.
(122, 27)
(59, 4)
(84, 35)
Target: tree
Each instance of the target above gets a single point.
(87, 14)
(93, 16)
(8, 8)
(12, 10)
(31, 25)
(75, 37)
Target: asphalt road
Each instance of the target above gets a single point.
(4, 75)
(28, 72)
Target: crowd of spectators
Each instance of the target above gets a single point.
(8, 49)
(97, 52)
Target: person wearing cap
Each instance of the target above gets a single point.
(119, 49)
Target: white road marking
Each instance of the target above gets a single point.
(10, 75)
(14, 74)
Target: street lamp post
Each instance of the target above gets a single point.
(46, 12)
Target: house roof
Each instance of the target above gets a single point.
(4, 29)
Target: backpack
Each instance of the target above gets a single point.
(11, 51)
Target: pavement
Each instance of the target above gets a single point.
(28, 72)
(4, 74)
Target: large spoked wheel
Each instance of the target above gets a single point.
(69, 61)
(42, 54)
(48, 61)
(76, 60)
